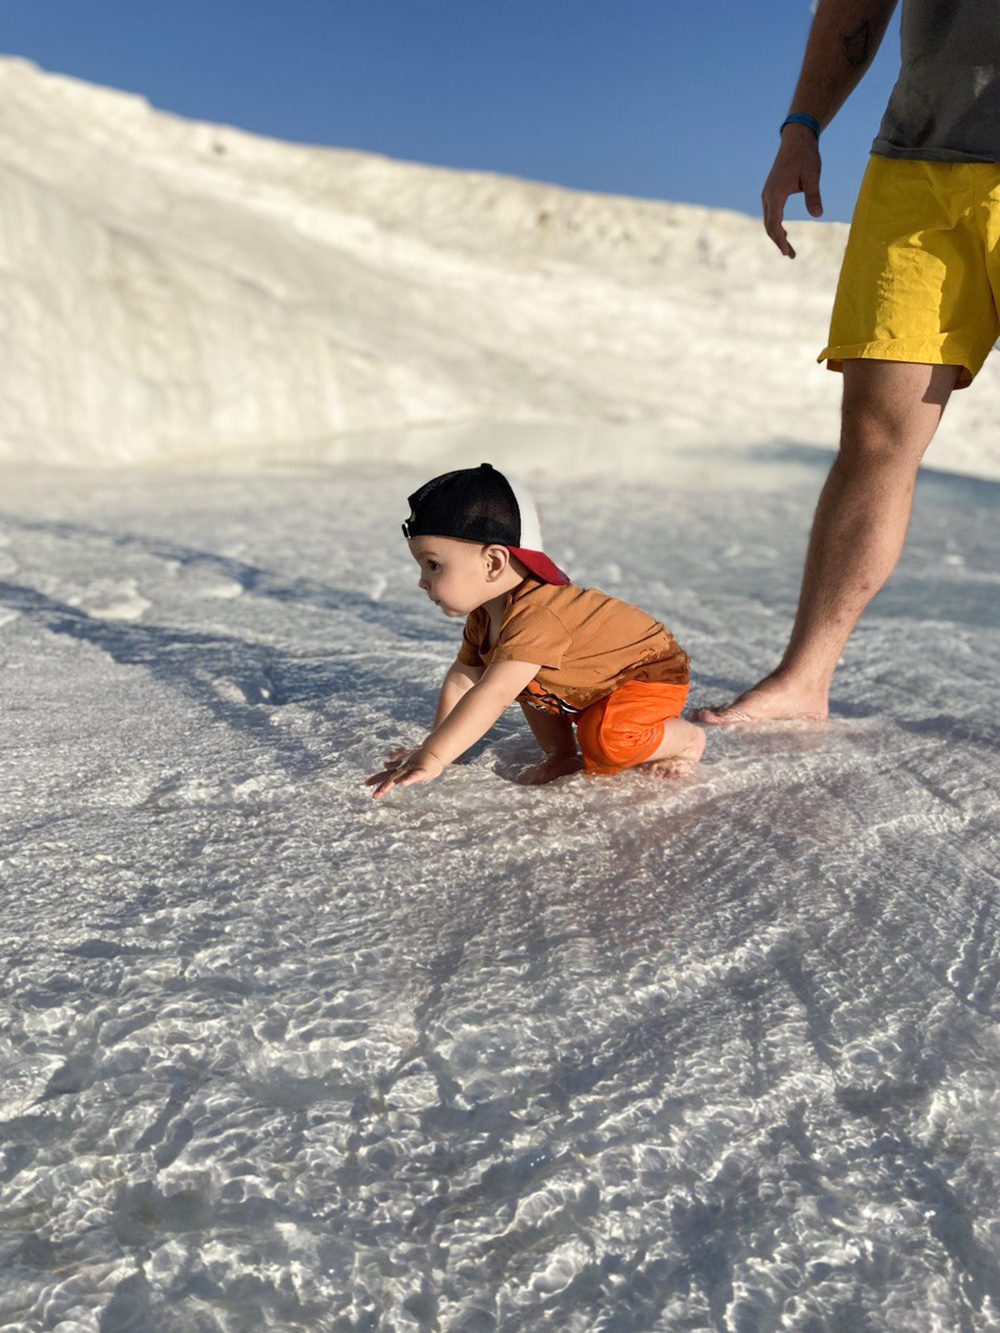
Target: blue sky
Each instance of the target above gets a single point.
(658, 98)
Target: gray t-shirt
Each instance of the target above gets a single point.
(946, 103)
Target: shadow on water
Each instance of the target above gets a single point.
(948, 601)
(948, 727)
(952, 487)
(400, 618)
(238, 682)
(950, 511)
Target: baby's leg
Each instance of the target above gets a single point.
(555, 735)
(682, 746)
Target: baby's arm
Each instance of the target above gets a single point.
(460, 679)
(470, 718)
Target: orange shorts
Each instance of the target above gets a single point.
(626, 726)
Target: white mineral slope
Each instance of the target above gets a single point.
(174, 289)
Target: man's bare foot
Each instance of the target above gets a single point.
(555, 766)
(680, 765)
(774, 699)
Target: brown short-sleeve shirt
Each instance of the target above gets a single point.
(586, 642)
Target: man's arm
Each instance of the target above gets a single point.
(843, 39)
(472, 716)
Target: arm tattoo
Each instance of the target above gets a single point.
(856, 45)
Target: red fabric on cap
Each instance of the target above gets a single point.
(539, 563)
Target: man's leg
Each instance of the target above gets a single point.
(890, 412)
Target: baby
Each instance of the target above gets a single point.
(573, 657)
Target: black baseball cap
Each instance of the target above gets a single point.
(480, 504)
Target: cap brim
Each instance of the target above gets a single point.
(540, 564)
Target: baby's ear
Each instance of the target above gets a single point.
(497, 559)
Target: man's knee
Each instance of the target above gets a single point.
(891, 411)
(869, 437)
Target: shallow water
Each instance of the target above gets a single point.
(616, 1054)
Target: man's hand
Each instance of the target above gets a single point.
(417, 766)
(796, 170)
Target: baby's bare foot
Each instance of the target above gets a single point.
(773, 700)
(680, 765)
(555, 766)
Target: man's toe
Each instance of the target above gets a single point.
(723, 717)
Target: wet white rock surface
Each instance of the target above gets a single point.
(616, 1054)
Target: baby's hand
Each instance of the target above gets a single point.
(393, 758)
(416, 766)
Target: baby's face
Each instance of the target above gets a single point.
(453, 573)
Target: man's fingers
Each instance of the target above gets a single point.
(774, 210)
(810, 188)
(796, 170)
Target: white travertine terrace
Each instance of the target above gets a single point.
(176, 290)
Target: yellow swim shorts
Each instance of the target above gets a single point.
(921, 273)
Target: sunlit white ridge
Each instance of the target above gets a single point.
(174, 289)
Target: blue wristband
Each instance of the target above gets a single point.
(801, 118)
